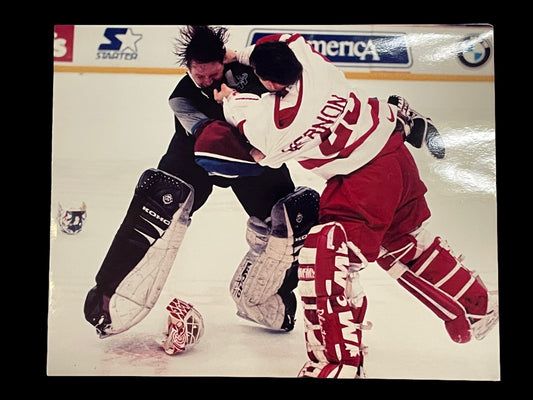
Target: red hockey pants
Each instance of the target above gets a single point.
(380, 202)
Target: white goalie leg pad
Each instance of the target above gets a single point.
(260, 274)
(138, 292)
(256, 286)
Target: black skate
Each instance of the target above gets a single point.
(287, 296)
(289, 300)
(96, 310)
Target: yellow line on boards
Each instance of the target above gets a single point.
(377, 75)
(119, 70)
(408, 76)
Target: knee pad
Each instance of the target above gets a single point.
(263, 282)
(434, 275)
(141, 255)
(333, 301)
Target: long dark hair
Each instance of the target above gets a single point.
(201, 43)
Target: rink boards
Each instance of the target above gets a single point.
(398, 52)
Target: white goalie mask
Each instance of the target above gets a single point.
(185, 327)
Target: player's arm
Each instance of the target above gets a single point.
(236, 105)
(235, 108)
(187, 114)
(223, 151)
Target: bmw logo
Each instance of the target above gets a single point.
(474, 51)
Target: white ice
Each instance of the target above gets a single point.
(109, 128)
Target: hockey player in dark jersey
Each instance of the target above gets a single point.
(195, 109)
(141, 255)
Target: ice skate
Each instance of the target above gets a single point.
(289, 300)
(482, 326)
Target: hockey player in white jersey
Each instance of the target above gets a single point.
(372, 209)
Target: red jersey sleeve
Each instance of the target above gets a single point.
(270, 38)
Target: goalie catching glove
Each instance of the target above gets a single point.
(417, 128)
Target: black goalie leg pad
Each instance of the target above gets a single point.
(141, 254)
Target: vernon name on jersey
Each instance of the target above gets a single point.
(325, 120)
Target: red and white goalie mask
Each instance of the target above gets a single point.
(185, 327)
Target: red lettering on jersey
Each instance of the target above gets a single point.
(285, 117)
(338, 139)
(343, 133)
(374, 112)
(327, 117)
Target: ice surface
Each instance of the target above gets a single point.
(110, 128)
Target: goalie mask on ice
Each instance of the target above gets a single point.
(262, 287)
(71, 218)
(185, 327)
(141, 255)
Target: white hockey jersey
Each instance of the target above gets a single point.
(322, 122)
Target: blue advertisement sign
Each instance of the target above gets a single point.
(355, 49)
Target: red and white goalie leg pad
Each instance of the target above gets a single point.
(334, 305)
(427, 268)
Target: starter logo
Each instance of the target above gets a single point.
(63, 42)
(121, 45)
(356, 49)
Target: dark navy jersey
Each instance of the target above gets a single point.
(192, 105)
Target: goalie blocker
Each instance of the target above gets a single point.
(141, 255)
